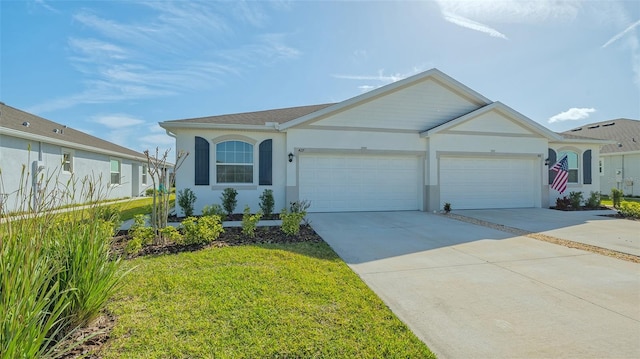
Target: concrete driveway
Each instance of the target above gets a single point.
(473, 292)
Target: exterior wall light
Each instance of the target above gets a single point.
(290, 157)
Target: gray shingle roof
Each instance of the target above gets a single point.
(625, 131)
(258, 118)
(14, 119)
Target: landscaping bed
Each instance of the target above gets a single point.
(232, 236)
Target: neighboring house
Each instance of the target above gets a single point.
(411, 145)
(619, 165)
(48, 150)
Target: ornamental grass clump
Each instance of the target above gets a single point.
(56, 270)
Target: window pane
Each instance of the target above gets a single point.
(234, 173)
(115, 178)
(573, 176)
(115, 166)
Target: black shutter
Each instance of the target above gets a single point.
(552, 161)
(201, 162)
(586, 167)
(265, 160)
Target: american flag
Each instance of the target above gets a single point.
(562, 169)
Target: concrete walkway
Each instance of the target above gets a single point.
(589, 227)
(470, 291)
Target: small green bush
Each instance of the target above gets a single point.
(594, 200)
(213, 210)
(267, 202)
(140, 233)
(250, 222)
(575, 198)
(291, 220)
(149, 192)
(616, 196)
(186, 199)
(229, 200)
(204, 230)
(171, 233)
(629, 209)
(110, 214)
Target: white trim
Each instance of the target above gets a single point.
(63, 143)
(505, 110)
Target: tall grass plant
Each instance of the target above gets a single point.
(56, 270)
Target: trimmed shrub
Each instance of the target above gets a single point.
(447, 207)
(204, 230)
(594, 200)
(186, 199)
(229, 201)
(575, 199)
(171, 233)
(629, 209)
(213, 210)
(267, 202)
(291, 220)
(250, 222)
(563, 203)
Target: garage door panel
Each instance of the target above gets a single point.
(469, 183)
(358, 182)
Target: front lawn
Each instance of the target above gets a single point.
(256, 301)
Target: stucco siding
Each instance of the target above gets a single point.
(248, 194)
(63, 186)
(621, 172)
(419, 107)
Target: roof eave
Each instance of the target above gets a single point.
(67, 144)
(167, 125)
(506, 110)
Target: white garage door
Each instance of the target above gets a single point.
(470, 183)
(342, 183)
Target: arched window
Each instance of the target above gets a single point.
(201, 158)
(234, 162)
(572, 160)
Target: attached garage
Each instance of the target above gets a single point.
(471, 183)
(354, 182)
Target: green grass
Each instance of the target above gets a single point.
(133, 207)
(270, 301)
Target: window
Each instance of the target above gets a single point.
(234, 162)
(67, 161)
(265, 163)
(201, 159)
(115, 172)
(572, 160)
(144, 174)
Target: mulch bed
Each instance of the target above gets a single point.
(99, 331)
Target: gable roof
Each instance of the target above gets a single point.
(503, 109)
(625, 133)
(260, 119)
(18, 123)
(282, 119)
(433, 74)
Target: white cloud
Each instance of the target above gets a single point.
(174, 47)
(47, 6)
(473, 25)
(512, 11)
(117, 121)
(621, 34)
(572, 114)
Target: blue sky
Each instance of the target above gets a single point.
(115, 69)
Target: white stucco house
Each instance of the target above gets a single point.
(619, 165)
(411, 145)
(52, 152)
